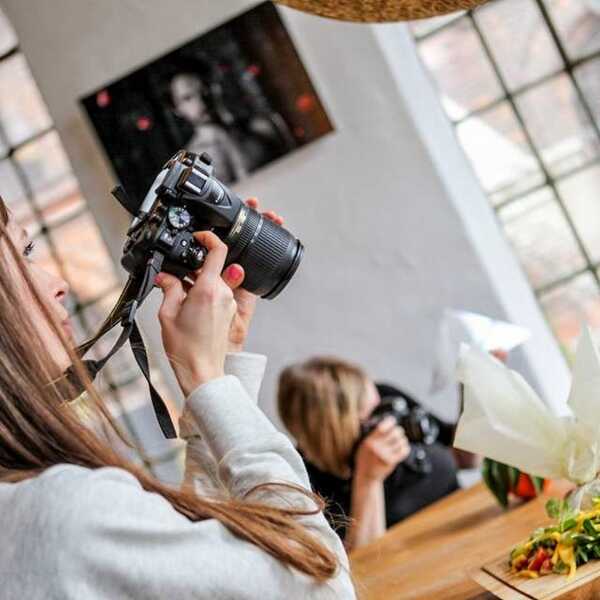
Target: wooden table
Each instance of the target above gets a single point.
(428, 556)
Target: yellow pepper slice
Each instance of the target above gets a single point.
(529, 574)
(568, 557)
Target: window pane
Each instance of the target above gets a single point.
(14, 195)
(425, 26)
(8, 38)
(578, 24)
(570, 305)
(519, 41)
(463, 73)
(581, 194)
(22, 110)
(541, 238)
(495, 144)
(86, 261)
(558, 125)
(48, 172)
(588, 77)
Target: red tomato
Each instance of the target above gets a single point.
(525, 487)
(535, 564)
(546, 567)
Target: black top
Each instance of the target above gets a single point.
(405, 491)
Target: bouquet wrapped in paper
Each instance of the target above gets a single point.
(505, 420)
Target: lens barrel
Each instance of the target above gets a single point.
(269, 253)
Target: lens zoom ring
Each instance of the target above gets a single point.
(267, 258)
(245, 236)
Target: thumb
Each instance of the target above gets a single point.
(174, 295)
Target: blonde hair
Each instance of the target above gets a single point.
(319, 403)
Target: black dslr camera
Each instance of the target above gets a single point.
(187, 197)
(420, 428)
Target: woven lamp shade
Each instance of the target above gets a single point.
(380, 11)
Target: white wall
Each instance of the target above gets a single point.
(395, 225)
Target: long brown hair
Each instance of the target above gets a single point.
(319, 402)
(38, 429)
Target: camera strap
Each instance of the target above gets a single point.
(135, 292)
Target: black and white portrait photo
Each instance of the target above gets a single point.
(239, 93)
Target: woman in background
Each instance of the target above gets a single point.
(323, 402)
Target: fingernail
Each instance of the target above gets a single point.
(234, 272)
(158, 279)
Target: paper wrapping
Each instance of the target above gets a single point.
(459, 327)
(505, 420)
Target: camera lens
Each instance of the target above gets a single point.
(269, 253)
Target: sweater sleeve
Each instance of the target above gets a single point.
(103, 532)
(200, 465)
(250, 452)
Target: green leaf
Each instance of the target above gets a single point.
(589, 528)
(553, 508)
(568, 524)
(538, 483)
(581, 556)
(489, 472)
(580, 538)
(513, 477)
(499, 473)
(562, 512)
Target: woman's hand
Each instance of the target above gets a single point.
(178, 317)
(379, 453)
(245, 300)
(196, 325)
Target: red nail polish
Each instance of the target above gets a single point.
(234, 272)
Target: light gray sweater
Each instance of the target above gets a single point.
(76, 533)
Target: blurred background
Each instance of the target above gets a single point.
(520, 81)
(464, 171)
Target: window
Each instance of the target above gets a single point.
(38, 185)
(520, 80)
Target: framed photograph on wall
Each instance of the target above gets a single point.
(239, 92)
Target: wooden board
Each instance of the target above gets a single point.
(496, 577)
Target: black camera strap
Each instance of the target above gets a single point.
(135, 292)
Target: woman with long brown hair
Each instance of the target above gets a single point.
(80, 521)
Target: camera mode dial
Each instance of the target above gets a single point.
(179, 217)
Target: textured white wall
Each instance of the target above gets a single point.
(394, 223)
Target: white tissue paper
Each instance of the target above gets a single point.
(505, 420)
(459, 327)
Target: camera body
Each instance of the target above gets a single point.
(418, 425)
(186, 197)
(420, 429)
